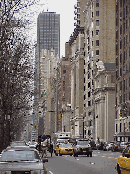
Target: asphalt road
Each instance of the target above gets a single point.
(102, 162)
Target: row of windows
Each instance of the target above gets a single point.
(123, 98)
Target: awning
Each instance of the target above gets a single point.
(123, 134)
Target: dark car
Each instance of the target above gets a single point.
(116, 147)
(82, 147)
(22, 160)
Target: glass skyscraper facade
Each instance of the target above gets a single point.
(48, 32)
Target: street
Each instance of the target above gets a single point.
(102, 162)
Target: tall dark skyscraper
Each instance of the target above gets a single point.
(48, 32)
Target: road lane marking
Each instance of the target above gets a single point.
(104, 156)
(50, 172)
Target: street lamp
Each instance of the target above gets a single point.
(83, 127)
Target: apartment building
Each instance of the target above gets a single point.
(65, 94)
(48, 49)
(122, 106)
(47, 115)
(99, 44)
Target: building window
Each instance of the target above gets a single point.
(97, 52)
(89, 85)
(121, 44)
(117, 49)
(120, 58)
(97, 3)
(120, 71)
(97, 33)
(121, 29)
(116, 128)
(97, 22)
(124, 28)
(129, 95)
(120, 3)
(97, 13)
(92, 33)
(64, 71)
(120, 127)
(97, 42)
(89, 103)
(89, 94)
(117, 35)
(92, 14)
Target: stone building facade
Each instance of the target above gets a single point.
(99, 44)
(122, 107)
(104, 101)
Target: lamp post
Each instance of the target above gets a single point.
(83, 127)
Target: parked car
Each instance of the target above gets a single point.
(82, 147)
(123, 162)
(105, 146)
(32, 144)
(109, 146)
(64, 149)
(116, 147)
(123, 145)
(22, 160)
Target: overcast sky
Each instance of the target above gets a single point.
(66, 10)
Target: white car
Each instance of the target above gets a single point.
(123, 145)
(109, 146)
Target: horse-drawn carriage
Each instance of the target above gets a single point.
(45, 144)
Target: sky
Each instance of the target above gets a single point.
(66, 10)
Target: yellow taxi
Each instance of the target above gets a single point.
(64, 149)
(123, 162)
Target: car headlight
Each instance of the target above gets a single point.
(37, 172)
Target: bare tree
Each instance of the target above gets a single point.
(16, 68)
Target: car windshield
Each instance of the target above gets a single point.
(19, 155)
(18, 144)
(61, 141)
(66, 145)
(82, 142)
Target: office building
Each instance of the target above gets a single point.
(122, 106)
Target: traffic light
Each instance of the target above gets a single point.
(60, 115)
(73, 127)
(120, 114)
